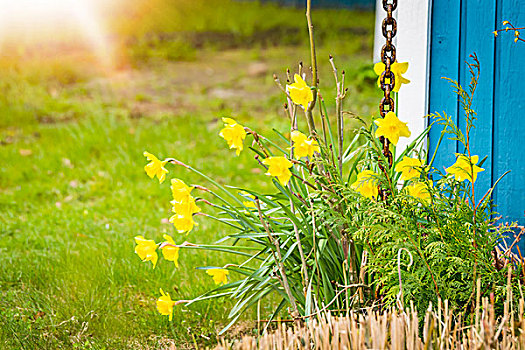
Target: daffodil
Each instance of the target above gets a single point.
(183, 206)
(180, 191)
(155, 167)
(183, 202)
(165, 304)
(186, 208)
(280, 168)
(234, 134)
(391, 127)
(409, 168)
(182, 223)
(249, 204)
(303, 146)
(219, 275)
(397, 69)
(465, 168)
(366, 184)
(300, 92)
(420, 191)
(146, 249)
(169, 251)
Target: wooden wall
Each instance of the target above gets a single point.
(459, 28)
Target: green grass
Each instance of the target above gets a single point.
(73, 192)
(69, 213)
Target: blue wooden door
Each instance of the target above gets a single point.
(459, 28)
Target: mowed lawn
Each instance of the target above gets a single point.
(73, 192)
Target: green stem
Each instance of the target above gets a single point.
(311, 105)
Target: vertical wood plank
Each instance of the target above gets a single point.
(445, 41)
(412, 46)
(509, 115)
(477, 25)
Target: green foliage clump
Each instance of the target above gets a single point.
(419, 250)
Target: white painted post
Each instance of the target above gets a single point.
(412, 46)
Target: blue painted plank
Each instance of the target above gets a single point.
(445, 44)
(509, 116)
(477, 25)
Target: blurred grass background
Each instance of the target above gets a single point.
(73, 192)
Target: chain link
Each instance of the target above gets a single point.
(387, 80)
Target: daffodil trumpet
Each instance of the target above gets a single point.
(146, 249)
(366, 184)
(303, 146)
(219, 275)
(397, 70)
(234, 134)
(155, 167)
(465, 168)
(303, 181)
(299, 92)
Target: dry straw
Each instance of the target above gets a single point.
(400, 329)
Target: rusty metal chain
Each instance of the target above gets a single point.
(387, 79)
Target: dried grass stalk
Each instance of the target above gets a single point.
(398, 329)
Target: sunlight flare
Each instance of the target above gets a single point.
(34, 22)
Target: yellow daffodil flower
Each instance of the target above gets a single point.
(408, 167)
(169, 251)
(185, 208)
(280, 168)
(165, 304)
(465, 168)
(300, 92)
(420, 190)
(391, 127)
(180, 191)
(146, 249)
(366, 184)
(249, 204)
(155, 167)
(182, 223)
(183, 202)
(303, 146)
(234, 134)
(397, 69)
(219, 275)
